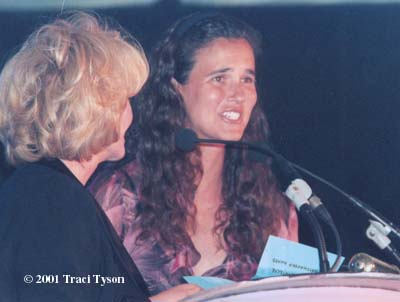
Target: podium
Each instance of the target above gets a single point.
(340, 287)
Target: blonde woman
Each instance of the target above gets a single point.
(64, 100)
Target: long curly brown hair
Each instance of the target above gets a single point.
(252, 205)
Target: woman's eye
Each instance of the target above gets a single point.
(218, 79)
(249, 80)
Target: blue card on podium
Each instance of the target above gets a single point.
(280, 257)
(285, 257)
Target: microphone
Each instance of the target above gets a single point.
(298, 191)
(362, 262)
(290, 170)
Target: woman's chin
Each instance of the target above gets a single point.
(116, 155)
(233, 135)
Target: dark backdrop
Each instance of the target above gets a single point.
(329, 81)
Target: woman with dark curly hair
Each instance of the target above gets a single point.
(211, 211)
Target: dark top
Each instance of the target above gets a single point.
(56, 243)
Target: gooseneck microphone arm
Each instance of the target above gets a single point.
(298, 191)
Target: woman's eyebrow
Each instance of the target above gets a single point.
(227, 69)
(218, 71)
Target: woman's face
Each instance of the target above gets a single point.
(220, 93)
(116, 151)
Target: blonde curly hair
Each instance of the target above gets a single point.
(63, 93)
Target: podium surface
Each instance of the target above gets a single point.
(341, 287)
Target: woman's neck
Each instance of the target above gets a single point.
(210, 185)
(82, 170)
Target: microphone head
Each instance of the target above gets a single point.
(186, 140)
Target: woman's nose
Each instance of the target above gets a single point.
(236, 93)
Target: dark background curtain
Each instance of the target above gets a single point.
(329, 81)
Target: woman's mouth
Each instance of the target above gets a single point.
(231, 115)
